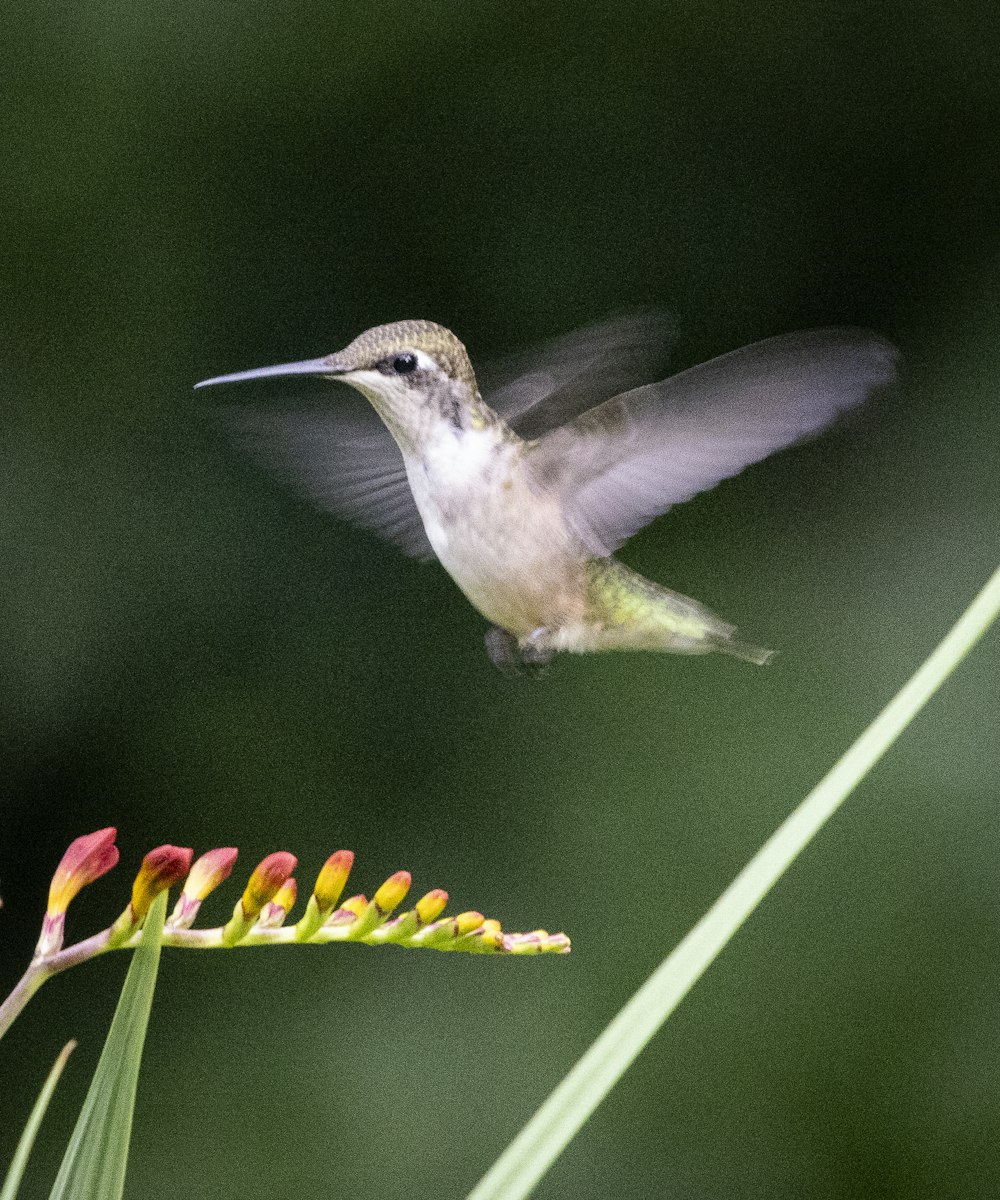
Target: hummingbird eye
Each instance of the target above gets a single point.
(403, 364)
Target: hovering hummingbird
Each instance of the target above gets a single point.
(524, 499)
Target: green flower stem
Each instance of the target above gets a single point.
(41, 969)
(515, 1173)
(27, 985)
(407, 931)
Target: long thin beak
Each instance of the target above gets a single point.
(310, 366)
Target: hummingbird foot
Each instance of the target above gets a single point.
(501, 647)
(514, 658)
(536, 649)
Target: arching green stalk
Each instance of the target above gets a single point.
(536, 1147)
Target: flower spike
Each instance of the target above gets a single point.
(259, 916)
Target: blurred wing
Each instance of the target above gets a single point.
(346, 461)
(540, 389)
(623, 463)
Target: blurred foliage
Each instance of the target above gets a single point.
(192, 654)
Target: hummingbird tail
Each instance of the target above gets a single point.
(743, 650)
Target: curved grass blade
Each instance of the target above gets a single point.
(519, 1168)
(93, 1167)
(27, 1140)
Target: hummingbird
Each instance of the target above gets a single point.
(523, 490)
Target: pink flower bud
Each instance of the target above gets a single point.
(208, 872)
(204, 877)
(87, 858)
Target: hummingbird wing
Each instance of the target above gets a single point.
(628, 460)
(346, 461)
(539, 389)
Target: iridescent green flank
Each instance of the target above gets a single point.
(633, 613)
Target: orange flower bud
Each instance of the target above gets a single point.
(266, 880)
(285, 895)
(161, 868)
(332, 879)
(431, 906)
(355, 905)
(264, 885)
(329, 884)
(443, 934)
(392, 893)
(468, 921)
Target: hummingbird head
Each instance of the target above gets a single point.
(414, 373)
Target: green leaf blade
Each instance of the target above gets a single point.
(93, 1167)
(27, 1140)
(519, 1168)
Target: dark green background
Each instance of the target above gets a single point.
(194, 655)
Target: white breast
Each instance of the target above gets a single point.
(504, 544)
